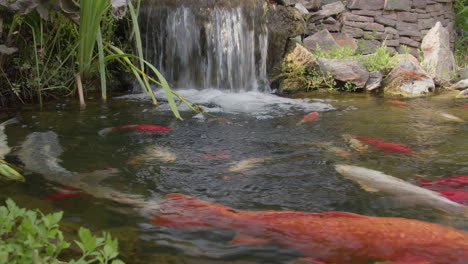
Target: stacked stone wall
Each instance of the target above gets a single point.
(371, 22)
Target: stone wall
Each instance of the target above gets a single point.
(395, 22)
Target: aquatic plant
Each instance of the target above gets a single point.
(29, 236)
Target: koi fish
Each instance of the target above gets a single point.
(376, 181)
(332, 237)
(450, 117)
(354, 143)
(308, 118)
(457, 181)
(398, 102)
(458, 196)
(465, 106)
(208, 156)
(245, 164)
(139, 128)
(64, 192)
(152, 154)
(389, 147)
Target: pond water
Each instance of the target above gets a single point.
(292, 165)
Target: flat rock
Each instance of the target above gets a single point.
(345, 71)
(323, 39)
(366, 4)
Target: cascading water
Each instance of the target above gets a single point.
(207, 43)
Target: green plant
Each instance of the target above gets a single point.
(28, 236)
(300, 78)
(349, 87)
(381, 60)
(341, 53)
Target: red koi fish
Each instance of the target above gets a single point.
(389, 147)
(139, 128)
(208, 156)
(333, 237)
(309, 117)
(458, 196)
(398, 102)
(457, 181)
(65, 192)
(465, 106)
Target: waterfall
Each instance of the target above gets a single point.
(201, 44)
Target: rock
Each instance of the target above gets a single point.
(301, 8)
(438, 57)
(375, 81)
(404, 5)
(332, 9)
(323, 39)
(408, 79)
(366, 4)
(309, 4)
(352, 31)
(463, 84)
(461, 74)
(345, 71)
(7, 50)
(343, 39)
(300, 57)
(283, 23)
(463, 93)
(369, 46)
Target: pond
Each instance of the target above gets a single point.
(249, 151)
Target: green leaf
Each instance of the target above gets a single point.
(89, 241)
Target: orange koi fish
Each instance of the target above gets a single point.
(458, 196)
(384, 146)
(457, 181)
(139, 128)
(398, 102)
(309, 117)
(333, 237)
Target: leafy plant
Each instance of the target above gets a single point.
(28, 236)
(381, 60)
(300, 78)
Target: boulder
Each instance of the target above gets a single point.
(301, 8)
(300, 57)
(309, 4)
(343, 39)
(408, 79)
(332, 9)
(323, 39)
(283, 23)
(438, 57)
(461, 85)
(345, 71)
(461, 74)
(375, 81)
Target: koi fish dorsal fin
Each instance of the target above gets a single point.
(248, 240)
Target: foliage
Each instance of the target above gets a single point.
(305, 79)
(461, 42)
(28, 236)
(341, 53)
(381, 60)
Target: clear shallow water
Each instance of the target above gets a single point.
(294, 169)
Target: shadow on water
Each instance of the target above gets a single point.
(236, 159)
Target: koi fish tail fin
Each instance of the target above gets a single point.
(181, 211)
(105, 131)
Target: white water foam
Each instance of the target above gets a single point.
(259, 105)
